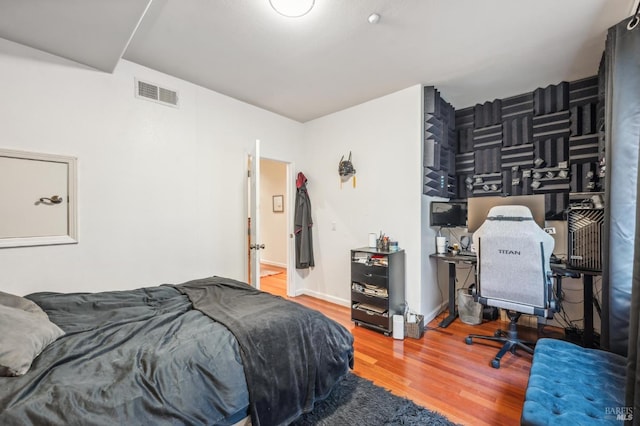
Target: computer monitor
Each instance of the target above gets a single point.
(448, 214)
(478, 208)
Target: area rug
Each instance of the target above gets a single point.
(357, 401)
(265, 271)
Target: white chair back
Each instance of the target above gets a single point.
(513, 260)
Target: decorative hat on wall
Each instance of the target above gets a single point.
(346, 170)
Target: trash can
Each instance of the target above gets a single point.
(469, 310)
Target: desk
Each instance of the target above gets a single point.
(559, 269)
(452, 261)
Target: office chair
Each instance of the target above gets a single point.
(513, 272)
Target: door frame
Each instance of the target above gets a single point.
(289, 212)
(290, 191)
(254, 197)
(291, 203)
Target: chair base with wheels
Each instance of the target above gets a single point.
(509, 338)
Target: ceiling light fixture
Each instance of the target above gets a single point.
(292, 8)
(374, 18)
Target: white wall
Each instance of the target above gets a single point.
(161, 190)
(435, 293)
(273, 225)
(385, 138)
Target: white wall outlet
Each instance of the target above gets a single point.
(551, 230)
(333, 226)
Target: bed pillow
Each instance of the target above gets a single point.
(24, 333)
(13, 301)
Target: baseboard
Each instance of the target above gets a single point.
(434, 312)
(322, 296)
(271, 263)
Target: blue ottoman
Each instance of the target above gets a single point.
(571, 385)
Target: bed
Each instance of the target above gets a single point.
(209, 351)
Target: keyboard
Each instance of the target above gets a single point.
(466, 253)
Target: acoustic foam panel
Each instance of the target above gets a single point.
(520, 156)
(465, 117)
(517, 130)
(517, 105)
(487, 160)
(552, 151)
(487, 137)
(434, 182)
(431, 154)
(465, 140)
(585, 177)
(438, 145)
(551, 99)
(583, 119)
(487, 184)
(514, 184)
(554, 133)
(584, 149)
(464, 129)
(464, 183)
(465, 163)
(552, 125)
(488, 114)
(584, 91)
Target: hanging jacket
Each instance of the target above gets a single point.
(302, 225)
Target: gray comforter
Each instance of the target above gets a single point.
(292, 355)
(146, 356)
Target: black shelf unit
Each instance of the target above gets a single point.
(377, 287)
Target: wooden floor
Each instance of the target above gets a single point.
(439, 371)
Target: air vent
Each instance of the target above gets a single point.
(153, 92)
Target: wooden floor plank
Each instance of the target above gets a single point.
(439, 371)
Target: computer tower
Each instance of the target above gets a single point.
(585, 231)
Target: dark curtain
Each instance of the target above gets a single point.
(621, 272)
(629, 45)
(622, 118)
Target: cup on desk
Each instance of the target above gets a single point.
(441, 245)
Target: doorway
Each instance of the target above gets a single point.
(273, 218)
(270, 218)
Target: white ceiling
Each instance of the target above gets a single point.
(332, 58)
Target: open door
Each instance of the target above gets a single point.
(254, 211)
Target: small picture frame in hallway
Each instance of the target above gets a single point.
(278, 203)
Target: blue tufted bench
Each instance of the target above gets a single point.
(571, 385)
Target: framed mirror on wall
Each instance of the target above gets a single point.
(38, 199)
